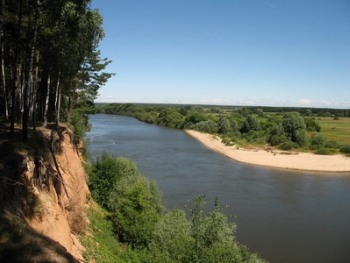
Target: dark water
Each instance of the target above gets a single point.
(285, 216)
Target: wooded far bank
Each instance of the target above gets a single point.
(322, 131)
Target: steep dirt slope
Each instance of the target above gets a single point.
(43, 196)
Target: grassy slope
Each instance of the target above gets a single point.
(100, 242)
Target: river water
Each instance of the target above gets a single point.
(284, 216)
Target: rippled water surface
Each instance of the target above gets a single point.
(285, 216)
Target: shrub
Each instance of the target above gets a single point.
(227, 141)
(105, 172)
(251, 123)
(325, 151)
(288, 145)
(208, 126)
(300, 137)
(224, 126)
(294, 127)
(172, 240)
(134, 201)
(312, 125)
(255, 136)
(276, 135)
(331, 144)
(345, 148)
(318, 141)
(79, 121)
(136, 208)
(277, 139)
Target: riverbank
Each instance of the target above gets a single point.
(275, 158)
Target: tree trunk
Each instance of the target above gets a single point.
(28, 85)
(2, 55)
(15, 73)
(58, 99)
(71, 99)
(46, 107)
(33, 108)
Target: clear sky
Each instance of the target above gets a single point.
(227, 52)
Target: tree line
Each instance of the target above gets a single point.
(237, 125)
(50, 62)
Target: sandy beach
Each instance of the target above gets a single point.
(275, 158)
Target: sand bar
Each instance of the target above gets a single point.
(275, 158)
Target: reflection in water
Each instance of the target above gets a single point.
(285, 216)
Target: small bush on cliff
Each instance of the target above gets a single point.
(80, 123)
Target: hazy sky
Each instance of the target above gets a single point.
(230, 52)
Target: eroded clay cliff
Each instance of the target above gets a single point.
(49, 171)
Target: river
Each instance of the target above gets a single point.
(284, 216)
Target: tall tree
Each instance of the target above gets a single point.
(49, 59)
(2, 59)
(29, 84)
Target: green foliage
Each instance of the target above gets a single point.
(135, 216)
(331, 144)
(134, 202)
(209, 228)
(224, 126)
(255, 136)
(318, 141)
(276, 135)
(171, 241)
(80, 124)
(294, 128)
(325, 151)
(100, 242)
(251, 123)
(105, 172)
(136, 208)
(70, 70)
(208, 126)
(194, 117)
(206, 237)
(213, 235)
(171, 118)
(312, 125)
(288, 145)
(345, 148)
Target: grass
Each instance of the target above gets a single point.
(99, 241)
(336, 130)
(102, 245)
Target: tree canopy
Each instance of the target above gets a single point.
(50, 62)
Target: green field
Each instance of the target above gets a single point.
(335, 129)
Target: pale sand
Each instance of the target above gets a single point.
(275, 158)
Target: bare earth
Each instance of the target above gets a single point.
(275, 158)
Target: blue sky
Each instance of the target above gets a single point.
(227, 52)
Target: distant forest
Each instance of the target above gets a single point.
(320, 112)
